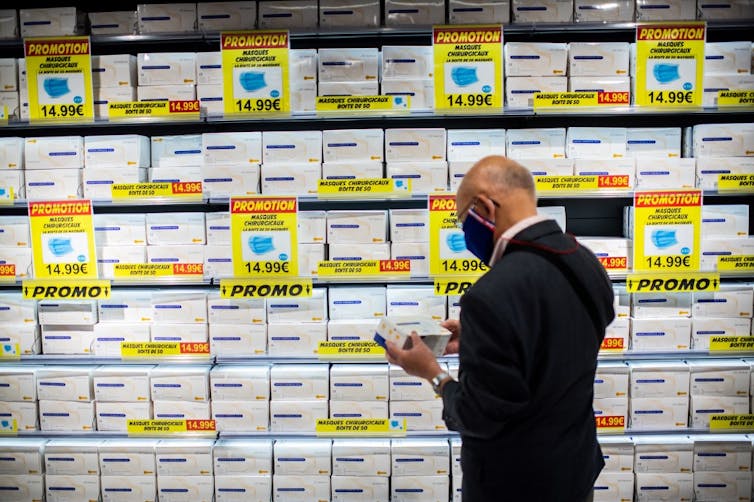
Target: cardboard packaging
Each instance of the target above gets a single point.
(398, 330)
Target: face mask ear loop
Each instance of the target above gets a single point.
(481, 219)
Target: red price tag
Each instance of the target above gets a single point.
(612, 344)
(193, 425)
(612, 98)
(8, 270)
(186, 187)
(611, 422)
(194, 348)
(614, 262)
(395, 265)
(188, 269)
(187, 106)
(613, 181)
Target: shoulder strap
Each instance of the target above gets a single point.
(577, 285)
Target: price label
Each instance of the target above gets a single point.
(544, 100)
(183, 110)
(35, 289)
(62, 239)
(363, 187)
(447, 286)
(731, 344)
(346, 350)
(468, 67)
(183, 190)
(669, 64)
(575, 183)
(59, 75)
(267, 268)
(7, 196)
(735, 98)
(265, 288)
(360, 427)
(163, 349)
(667, 230)
(362, 103)
(613, 344)
(679, 282)
(462, 266)
(610, 423)
(154, 270)
(365, 268)
(7, 272)
(448, 255)
(614, 263)
(735, 183)
(255, 72)
(735, 263)
(744, 423)
(170, 427)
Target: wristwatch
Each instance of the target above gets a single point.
(437, 381)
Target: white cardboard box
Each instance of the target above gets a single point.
(296, 416)
(97, 182)
(353, 145)
(241, 416)
(673, 486)
(361, 457)
(24, 413)
(348, 65)
(721, 453)
(300, 488)
(659, 379)
(128, 488)
(520, 91)
(114, 70)
(243, 488)
(113, 416)
(184, 457)
(289, 14)
(235, 457)
(536, 143)
(345, 227)
(113, 22)
(65, 383)
(18, 383)
(181, 410)
(295, 338)
(49, 22)
(665, 413)
(131, 457)
(24, 456)
(660, 334)
(414, 144)
(412, 457)
(544, 11)
(703, 408)
(124, 150)
(307, 457)
(731, 301)
(356, 302)
(306, 382)
(350, 410)
(665, 10)
(61, 488)
(180, 488)
(121, 383)
(240, 383)
(663, 454)
(167, 18)
(226, 16)
(533, 59)
(55, 152)
(597, 59)
(234, 339)
(66, 416)
(419, 415)
(179, 383)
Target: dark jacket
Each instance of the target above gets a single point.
(528, 356)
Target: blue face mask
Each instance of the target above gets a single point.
(479, 233)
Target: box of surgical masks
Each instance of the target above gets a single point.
(419, 457)
(179, 306)
(656, 305)
(716, 140)
(26, 336)
(703, 329)
(473, 144)
(60, 488)
(292, 146)
(358, 409)
(177, 151)
(407, 62)
(67, 312)
(138, 487)
(549, 167)
(166, 92)
(114, 70)
(667, 413)
(98, 181)
(184, 457)
(14, 231)
(673, 485)
(299, 382)
(49, 22)
(663, 454)
(303, 65)
(225, 16)
(242, 457)
(520, 91)
(531, 59)
(17, 383)
(24, 456)
(351, 170)
(359, 382)
(21, 257)
(231, 339)
(356, 302)
(288, 14)
(303, 309)
(603, 11)
(596, 142)
(543, 11)
(178, 488)
(66, 416)
(556, 213)
(309, 256)
(166, 68)
(458, 169)
(13, 180)
(615, 485)
(180, 383)
(665, 10)
(242, 488)
(419, 92)
(361, 88)
(618, 453)
(659, 379)
(53, 184)
(728, 301)
(175, 254)
(346, 227)
(713, 84)
(424, 177)
(226, 181)
(222, 149)
(65, 383)
(174, 174)
(109, 336)
(416, 252)
(12, 153)
(104, 95)
(721, 453)
(652, 173)
(728, 485)
(406, 13)
(175, 228)
(296, 416)
(337, 13)
(479, 11)
(58, 152)
(709, 169)
(122, 22)
(586, 59)
(16, 310)
(303, 96)
(408, 225)
(8, 79)
(126, 306)
(209, 68)
(609, 247)
(241, 416)
(727, 58)
(415, 144)
(359, 488)
(352, 145)
(302, 457)
(167, 18)
(114, 416)
(357, 252)
(295, 338)
(113, 383)
(404, 387)
(64, 339)
(230, 311)
(715, 248)
(653, 142)
(405, 300)
(348, 65)
(361, 457)
(611, 380)
(536, 143)
(660, 334)
(179, 410)
(9, 28)
(719, 378)
(725, 220)
(240, 383)
(24, 413)
(179, 332)
(217, 228)
(606, 167)
(351, 330)
(703, 408)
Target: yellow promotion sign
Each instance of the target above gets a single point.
(35, 289)
(363, 187)
(265, 288)
(264, 236)
(163, 349)
(62, 239)
(735, 98)
(59, 76)
(161, 427)
(349, 350)
(447, 286)
(154, 270)
(448, 255)
(544, 100)
(670, 64)
(360, 427)
(363, 268)
(468, 63)
(735, 263)
(735, 183)
(179, 190)
(255, 72)
(575, 183)
(667, 230)
(677, 282)
(183, 110)
(362, 103)
(731, 344)
(724, 423)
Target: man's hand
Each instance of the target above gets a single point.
(417, 360)
(454, 344)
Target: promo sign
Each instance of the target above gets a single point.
(263, 236)
(360, 427)
(363, 187)
(735, 183)
(362, 103)
(184, 110)
(735, 98)
(136, 427)
(667, 230)
(468, 62)
(667, 282)
(579, 99)
(255, 72)
(265, 288)
(575, 183)
(62, 239)
(59, 75)
(177, 190)
(670, 64)
(447, 245)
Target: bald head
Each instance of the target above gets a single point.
(504, 181)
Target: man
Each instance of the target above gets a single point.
(529, 334)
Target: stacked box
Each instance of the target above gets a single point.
(240, 398)
(121, 393)
(299, 397)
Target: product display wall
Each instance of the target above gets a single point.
(264, 385)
